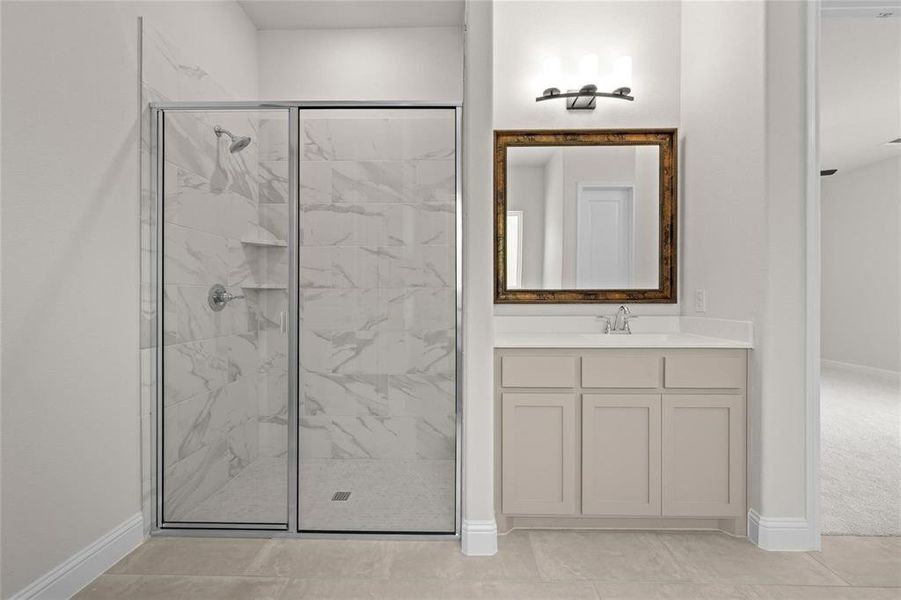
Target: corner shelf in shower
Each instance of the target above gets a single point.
(264, 286)
(273, 243)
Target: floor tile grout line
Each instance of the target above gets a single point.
(812, 556)
(683, 562)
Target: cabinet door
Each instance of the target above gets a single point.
(539, 454)
(620, 454)
(703, 456)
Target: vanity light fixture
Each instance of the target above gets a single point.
(585, 98)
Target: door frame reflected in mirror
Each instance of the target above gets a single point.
(664, 139)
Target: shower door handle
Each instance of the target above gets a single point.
(219, 297)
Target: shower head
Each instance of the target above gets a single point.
(238, 143)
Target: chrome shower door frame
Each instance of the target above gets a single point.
(159, 526)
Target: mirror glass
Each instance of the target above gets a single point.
(583, 217)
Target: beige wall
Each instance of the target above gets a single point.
(70, 380)
(861, 253)
(409, 63)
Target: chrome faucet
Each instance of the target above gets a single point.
(620, 323)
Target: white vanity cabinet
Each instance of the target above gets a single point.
(618, 434)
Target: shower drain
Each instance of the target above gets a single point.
(341, 497)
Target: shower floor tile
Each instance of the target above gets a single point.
(385, 495)
(258, 494)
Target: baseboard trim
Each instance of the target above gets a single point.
(69, 577)
(779, 533)
(866, 370)
(479, 537)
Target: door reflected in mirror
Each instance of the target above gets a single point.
(583, 217)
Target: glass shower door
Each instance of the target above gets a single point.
(224, 332)
(378, 320)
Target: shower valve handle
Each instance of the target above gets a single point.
(219, 297)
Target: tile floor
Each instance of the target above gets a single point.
(529, 565)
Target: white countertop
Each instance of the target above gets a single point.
(602, 340)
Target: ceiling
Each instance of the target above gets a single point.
(858, 8)
(860, 89)
(352, 14)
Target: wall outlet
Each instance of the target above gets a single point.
(700, 300)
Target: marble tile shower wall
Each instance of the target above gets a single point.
(273, 215)
(212, 360)
(377, 260)
(218, 365)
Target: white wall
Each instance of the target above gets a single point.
(526, 193)
(479, 527)
(413, 63)
(70, 218)
(528, 32)
(861, 298)
(721, 167)
(743, 223)
(646, 259)
(722, 174)
(552, 272)
(781, 332)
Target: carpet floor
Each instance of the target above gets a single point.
(860, 415)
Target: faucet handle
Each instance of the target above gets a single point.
(605, 322)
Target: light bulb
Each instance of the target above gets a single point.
(551, 68)
(622, 71)
(588, 69)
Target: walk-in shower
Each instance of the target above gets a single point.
(308, 293)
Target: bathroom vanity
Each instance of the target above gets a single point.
(610, 428)
(623, 431)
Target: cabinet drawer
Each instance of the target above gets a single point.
(538, 371)
(618, 371)
(708, 371)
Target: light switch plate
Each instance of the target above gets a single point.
(700, 300)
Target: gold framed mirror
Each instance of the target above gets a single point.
(585, 216)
